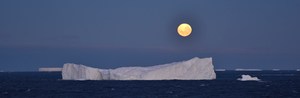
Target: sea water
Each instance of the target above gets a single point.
(274, 84)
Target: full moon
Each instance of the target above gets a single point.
(184, 29)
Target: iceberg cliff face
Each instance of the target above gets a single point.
(193, 69)
(80, 72)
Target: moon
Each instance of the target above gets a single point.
(184, 29)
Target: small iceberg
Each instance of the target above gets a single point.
(248, 78)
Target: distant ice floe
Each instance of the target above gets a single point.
(248, 78)
(239, 69)
(297, 69)
(275, 69)
(220, 69)
(50, 69)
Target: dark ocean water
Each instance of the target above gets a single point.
(274, 84)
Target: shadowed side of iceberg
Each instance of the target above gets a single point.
(193, 69)
(80, 72)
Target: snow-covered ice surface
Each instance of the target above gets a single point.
(193, 69)
(248, 78)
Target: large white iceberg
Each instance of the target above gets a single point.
(193, 69)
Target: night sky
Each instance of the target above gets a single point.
(262, 34)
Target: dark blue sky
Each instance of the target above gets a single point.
(108, 34)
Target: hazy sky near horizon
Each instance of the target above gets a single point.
(112, 33)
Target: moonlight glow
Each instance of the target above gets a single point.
(184, 29)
